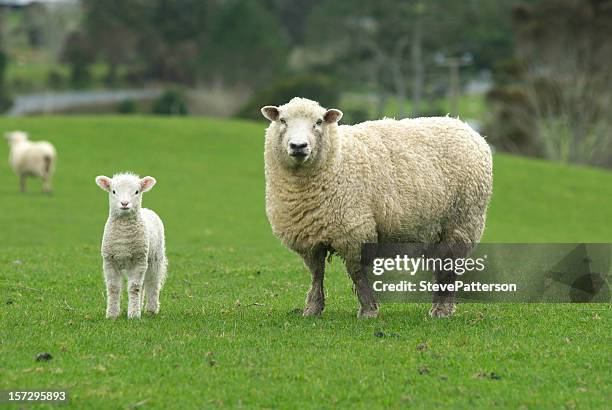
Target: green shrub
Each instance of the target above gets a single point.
(5, 98)
(127, 107)
(315, 87)
(171, 102)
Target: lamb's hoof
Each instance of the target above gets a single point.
(133, 315)
(112, 315)
(442, 310)
(152, 311)
(314, 310)
(368, 312)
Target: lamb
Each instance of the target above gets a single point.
(27, 158)
(331, 188)
(133, 245)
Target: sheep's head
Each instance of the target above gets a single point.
(14, 137)
(298, 130)
(125, 192)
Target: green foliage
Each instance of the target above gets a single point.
(171, 102)
(229, 42)
(127, 107)
(553, 100)
(315, 87)
(230, 332)
(5, 98)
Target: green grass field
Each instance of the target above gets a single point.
(230, 332)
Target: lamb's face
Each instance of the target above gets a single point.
(125, 192)
(14, 137)
(297, 130)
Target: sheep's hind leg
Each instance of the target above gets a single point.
(315, 299)
(444, 304)
(135, 288)
(113, 290)
(365, 294)
(46, 186)
(153, 284)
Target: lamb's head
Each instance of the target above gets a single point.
(125, 192)
(299, 131)
(15, 137)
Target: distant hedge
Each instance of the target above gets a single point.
(315, 87)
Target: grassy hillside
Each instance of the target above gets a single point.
(230, 331)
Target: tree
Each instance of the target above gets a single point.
(556, 102)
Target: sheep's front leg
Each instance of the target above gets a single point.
(365, 294)
(136, 277)
(22, 183)
(315, 299)
(113, 289)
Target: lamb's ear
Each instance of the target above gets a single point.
(332, 116)
(270, 112)
(103, 182)
(147, 183)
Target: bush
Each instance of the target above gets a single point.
(55, 80)
(171, 102)
(315, 87)
(5, 99)
(126, 107)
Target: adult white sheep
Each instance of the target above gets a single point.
(29, 158)
(133, 245)
(331, 188)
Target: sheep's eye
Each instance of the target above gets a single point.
(319, 122)
(283, 121)
(136, 193)
(113, 192)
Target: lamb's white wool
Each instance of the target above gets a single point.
(28, 158)
(331, 188)
(133, 245)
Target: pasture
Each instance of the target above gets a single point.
(230, 331)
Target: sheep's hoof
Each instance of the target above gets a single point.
(314, 310)
(442, 310)
(112, 315)
(367, 312)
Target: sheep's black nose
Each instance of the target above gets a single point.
(296, 147)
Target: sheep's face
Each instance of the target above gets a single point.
(14, 137)
(297, 131)
(125, 192)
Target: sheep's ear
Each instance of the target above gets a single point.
(332, 116)
(270, 112)
(103, 182)
(147, 183)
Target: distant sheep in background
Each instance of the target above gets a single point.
(330, 189)
(34, 159)
(133, 246)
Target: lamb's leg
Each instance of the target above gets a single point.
(135, 288)
(365, 294)
(113, 289)
(315, 299)
(153, 283)
(22, 183)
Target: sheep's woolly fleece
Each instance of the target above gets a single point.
(133, 244)
(35, 158)
(423, 180)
